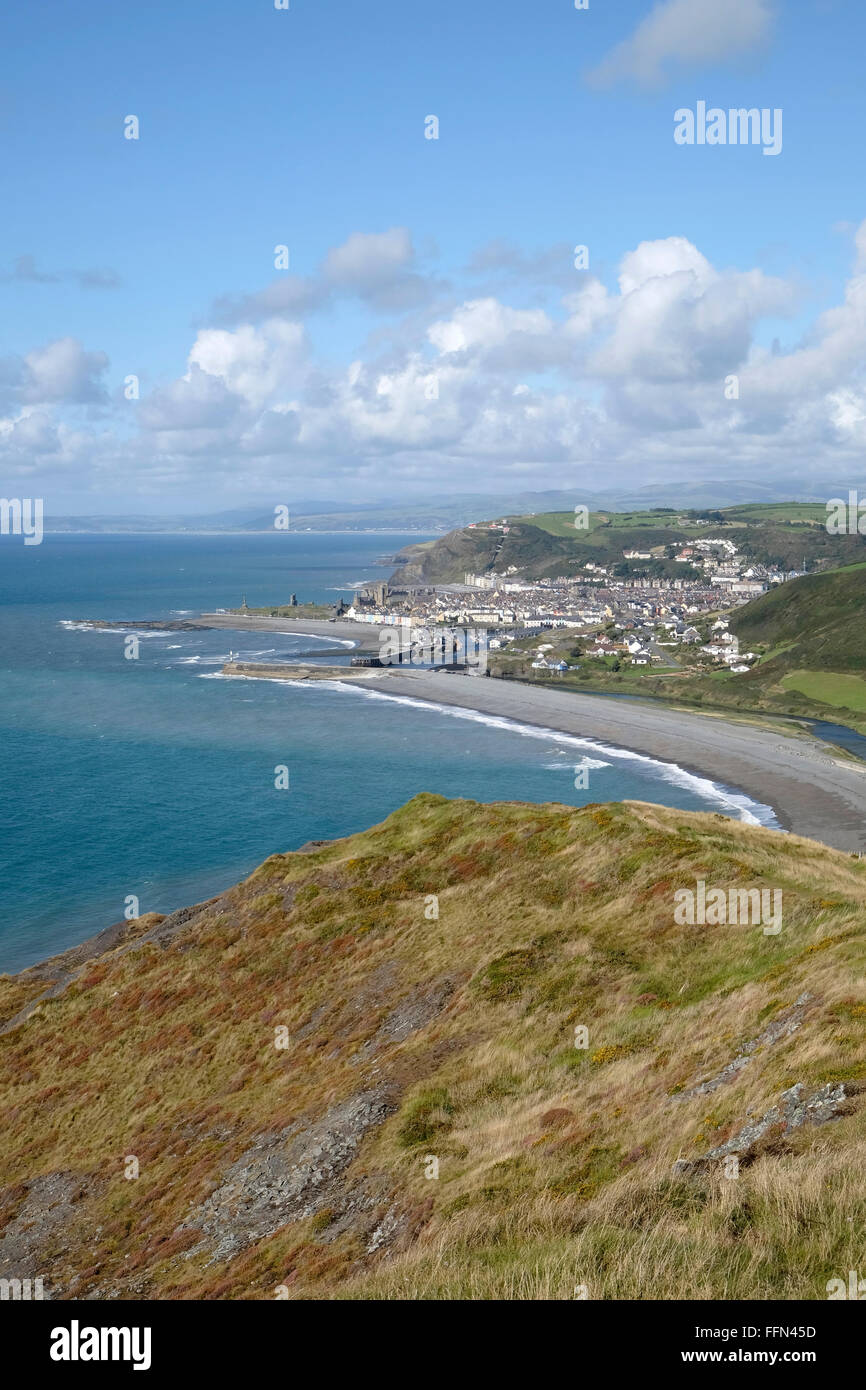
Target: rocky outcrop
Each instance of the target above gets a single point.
(33, 1218)
(285, 1177)
(783, 1026)
(794, 1110)
(420, 1006)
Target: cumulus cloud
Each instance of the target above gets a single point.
(235, 394)
(483, 325)
(627, 374)
(257, 364)
(686, 33)
(378, 268)
(196, 401)
(678, 318)
(64, 371)
(33, 432)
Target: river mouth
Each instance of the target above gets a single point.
(840, 735)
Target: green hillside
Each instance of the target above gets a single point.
(802, 513)
(446, 560)
(546, 545)
(817, 619)
(469, 1053)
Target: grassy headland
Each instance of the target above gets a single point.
(549, 544)
(285, 1063)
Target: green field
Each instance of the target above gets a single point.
(791, 512)
(561, 523)
(829, 688)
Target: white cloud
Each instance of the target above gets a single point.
(378, 268)
(198, 400)
(679, 319)
(628, 377)
(63, 371)
(32, 432)
(257, 364)
(368, 258)
(483, 324)
(691, 33)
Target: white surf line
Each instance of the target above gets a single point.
(71, 625)
(750, 811)
(316, 637)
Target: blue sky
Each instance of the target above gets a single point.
(305, 127)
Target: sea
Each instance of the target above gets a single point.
(148, 784)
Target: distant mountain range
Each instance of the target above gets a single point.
(447, 512)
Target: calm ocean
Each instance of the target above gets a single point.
(155, 777)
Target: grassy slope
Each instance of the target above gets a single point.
(801, 512)
(828, 688)
(817, 619)
(812, 625)
(446, 560)
(548, 544)
(555, 1162)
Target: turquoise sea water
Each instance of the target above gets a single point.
(155, 777)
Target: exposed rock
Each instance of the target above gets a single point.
(288, 1176)
(783, 1026)
(420, 1007)
(34, 1215)
(385, 1231)
(371, 1210)
(793, 1111)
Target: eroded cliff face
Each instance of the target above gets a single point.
(468, 1053)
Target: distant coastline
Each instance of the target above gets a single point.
(292, 531)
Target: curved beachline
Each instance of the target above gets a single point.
(717, 794)
(813, 792)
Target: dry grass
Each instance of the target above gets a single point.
(554, 1161)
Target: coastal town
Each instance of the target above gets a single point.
(617, 614)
